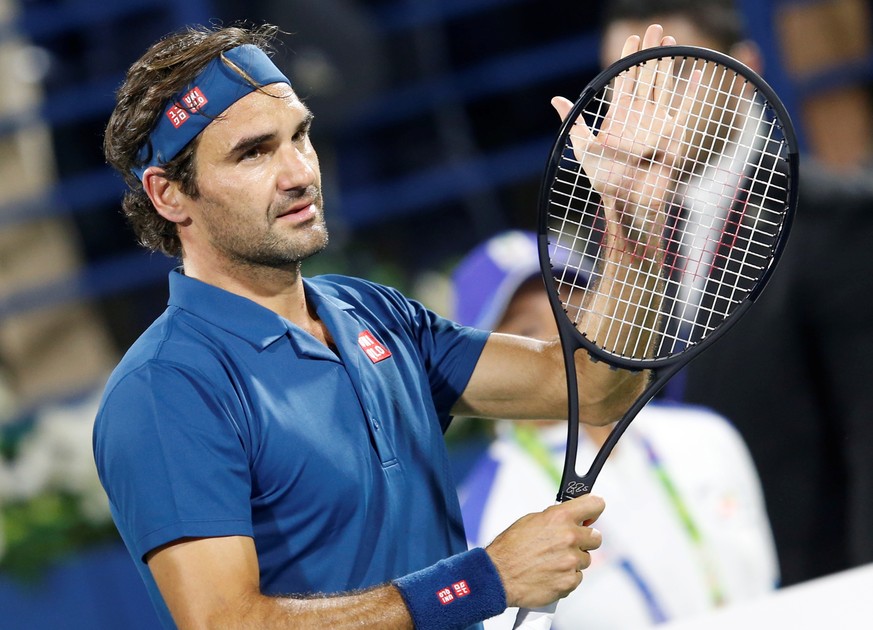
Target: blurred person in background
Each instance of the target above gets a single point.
(686, 530)
(792, 375)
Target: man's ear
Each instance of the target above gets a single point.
(747, 52)
(165, 195)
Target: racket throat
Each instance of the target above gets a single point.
(572, 484)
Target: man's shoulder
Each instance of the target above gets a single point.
(167, 342)
(169, 363)
(160, 337)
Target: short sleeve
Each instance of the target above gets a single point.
(450, 353)
(172, 457)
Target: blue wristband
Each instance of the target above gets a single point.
(454, 593)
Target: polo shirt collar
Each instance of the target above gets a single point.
(238, 315)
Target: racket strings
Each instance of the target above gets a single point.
(716, 234)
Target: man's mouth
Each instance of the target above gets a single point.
(299, 212)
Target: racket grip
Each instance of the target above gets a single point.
(535, 618)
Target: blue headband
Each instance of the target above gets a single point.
(210, 93)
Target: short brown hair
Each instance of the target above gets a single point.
(165, 69)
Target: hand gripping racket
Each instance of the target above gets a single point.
(670, 193)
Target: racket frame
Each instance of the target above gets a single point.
(572, 484)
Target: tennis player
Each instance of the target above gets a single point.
(272, 445)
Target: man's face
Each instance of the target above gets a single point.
(260, 202)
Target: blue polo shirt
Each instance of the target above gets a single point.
(224, 419)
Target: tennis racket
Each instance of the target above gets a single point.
(671, 190)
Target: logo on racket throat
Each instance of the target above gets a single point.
(577, 487)
(372, 347)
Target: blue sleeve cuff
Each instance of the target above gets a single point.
(454, 593)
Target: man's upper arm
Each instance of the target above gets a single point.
(207, 582)
(516, 377)
(522, 378)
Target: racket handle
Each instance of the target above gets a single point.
(535, 618)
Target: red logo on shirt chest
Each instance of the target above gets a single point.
(372, 347)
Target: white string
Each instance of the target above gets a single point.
(715, 251)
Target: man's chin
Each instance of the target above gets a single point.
(315, 245)
(313, 252)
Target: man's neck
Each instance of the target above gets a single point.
(279, 290)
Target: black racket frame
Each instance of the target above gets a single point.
(573, 485)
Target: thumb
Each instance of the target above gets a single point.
(585, 509)
(562, 106)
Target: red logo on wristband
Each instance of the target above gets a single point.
(458, 589)
(445, 596)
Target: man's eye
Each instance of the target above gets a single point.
(301, 135)
(252, 153)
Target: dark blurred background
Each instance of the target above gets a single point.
(433, 125)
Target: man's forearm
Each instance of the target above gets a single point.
(606, 393)
(379, 608)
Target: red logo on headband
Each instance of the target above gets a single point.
(191, 102)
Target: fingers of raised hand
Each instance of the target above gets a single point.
(663, 88)
(626, 80)
(689, 97)
(647, 75)
(653, 36)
